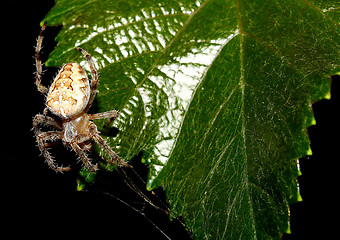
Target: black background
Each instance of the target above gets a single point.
(39, 202)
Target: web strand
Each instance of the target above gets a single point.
(140, 212)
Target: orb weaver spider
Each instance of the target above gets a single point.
(67, 101)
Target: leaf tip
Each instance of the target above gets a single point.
(328, 95)
(49, 63)
(80, 185)
(149, 185)
(313, 122)
(309, 152)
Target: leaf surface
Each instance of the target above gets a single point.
(216, 93)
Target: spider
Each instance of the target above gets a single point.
(67, 101)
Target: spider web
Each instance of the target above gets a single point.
(158, 214)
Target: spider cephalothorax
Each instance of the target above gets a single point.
(68, 99)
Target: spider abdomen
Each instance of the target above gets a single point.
(70, 91)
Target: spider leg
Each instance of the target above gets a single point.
(113, 114)
(38, 63)
(45, 120)
(81, 153)
(50, 136)
(79, 145)
(114, 158)
(87, 146)
(94, 74)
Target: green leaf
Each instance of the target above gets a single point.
(216, 93)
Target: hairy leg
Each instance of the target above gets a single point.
(113, 114)
(114, 158)
(50, 136)
(80, 146)
(38, 63)
(45, 120)
(84, 158)
(94, 74)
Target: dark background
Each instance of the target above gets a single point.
(39, 202)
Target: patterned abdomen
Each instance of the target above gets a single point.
(70, 92)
